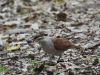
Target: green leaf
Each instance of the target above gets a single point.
(58, 0)
(19, 54)
(38, 66)
(37, 62)
(55, 65)
(35, 66)
(1, 69)
(46, 65)
(32, 62)
(21, 12)
(94, 57)
(5, 70)
(6, 67)
(98, 59)
(96, 68)
(31, 69)
(0, 66)
(68, 13)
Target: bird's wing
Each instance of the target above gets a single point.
(62, 43)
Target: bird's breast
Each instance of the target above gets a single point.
(47, 44)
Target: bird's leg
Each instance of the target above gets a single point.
(39, 48)
(60, 60)
(52, 56)
(55, 58)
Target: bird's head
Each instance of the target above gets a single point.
(37, 37)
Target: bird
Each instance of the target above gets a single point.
(54, 46)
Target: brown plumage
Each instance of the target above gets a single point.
(62, 44)
(55, 46)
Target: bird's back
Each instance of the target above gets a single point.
(62, 43)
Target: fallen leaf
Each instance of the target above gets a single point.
(12, 48)
(58, 0)
(4, 36)
(93, 44)
(86, 57)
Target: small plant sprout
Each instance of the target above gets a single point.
(36, 65)
(55, 65)
(21, 12)
(4, 69)
(95, 57)
(46, 65)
